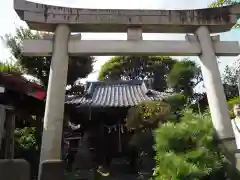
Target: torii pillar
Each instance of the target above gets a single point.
(213, 84)
(50, 158)
(216, 95)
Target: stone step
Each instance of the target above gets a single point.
(85, 175)
(81, 175)
(92, 174)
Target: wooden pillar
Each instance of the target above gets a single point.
(39, 130)
(9, 137)
(2, 121)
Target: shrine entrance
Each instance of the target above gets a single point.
(197, 24)
(102, 113)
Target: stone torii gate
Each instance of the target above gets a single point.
(198, 24)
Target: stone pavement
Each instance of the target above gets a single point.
(119, 171)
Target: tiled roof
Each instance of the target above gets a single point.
(116, 94)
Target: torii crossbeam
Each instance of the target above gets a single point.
(122, 47)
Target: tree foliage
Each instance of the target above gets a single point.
(138, 67)
(39, 67)
(176, 101)
(184, 76)
(147, 115)
(219, 3)
(13, 68)
(166, 72)
(187, 150)
(25, 138)
(230, 82)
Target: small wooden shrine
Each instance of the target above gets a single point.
(105, 104)
(18, 97)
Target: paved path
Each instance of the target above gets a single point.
(119, 171)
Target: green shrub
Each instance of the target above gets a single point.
(177, 101)
(187, 150)
(147, 114)
(25, 138)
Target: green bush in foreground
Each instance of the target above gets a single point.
(187, 150)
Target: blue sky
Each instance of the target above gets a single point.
(9, 21)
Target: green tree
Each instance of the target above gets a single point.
(188, 150)
(39, 67)
(14, 68)
(181, 76)
(138, 67)
(177, 102)
(230, 81)
(184, 77)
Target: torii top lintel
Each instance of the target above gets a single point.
(45, 18)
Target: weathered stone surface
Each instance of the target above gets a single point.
(54, 109)
(14, 169)
(45, 17)
(119, 47)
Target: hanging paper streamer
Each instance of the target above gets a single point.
(119, 138)
(115, 128)
(111, 128)
(122, 128)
